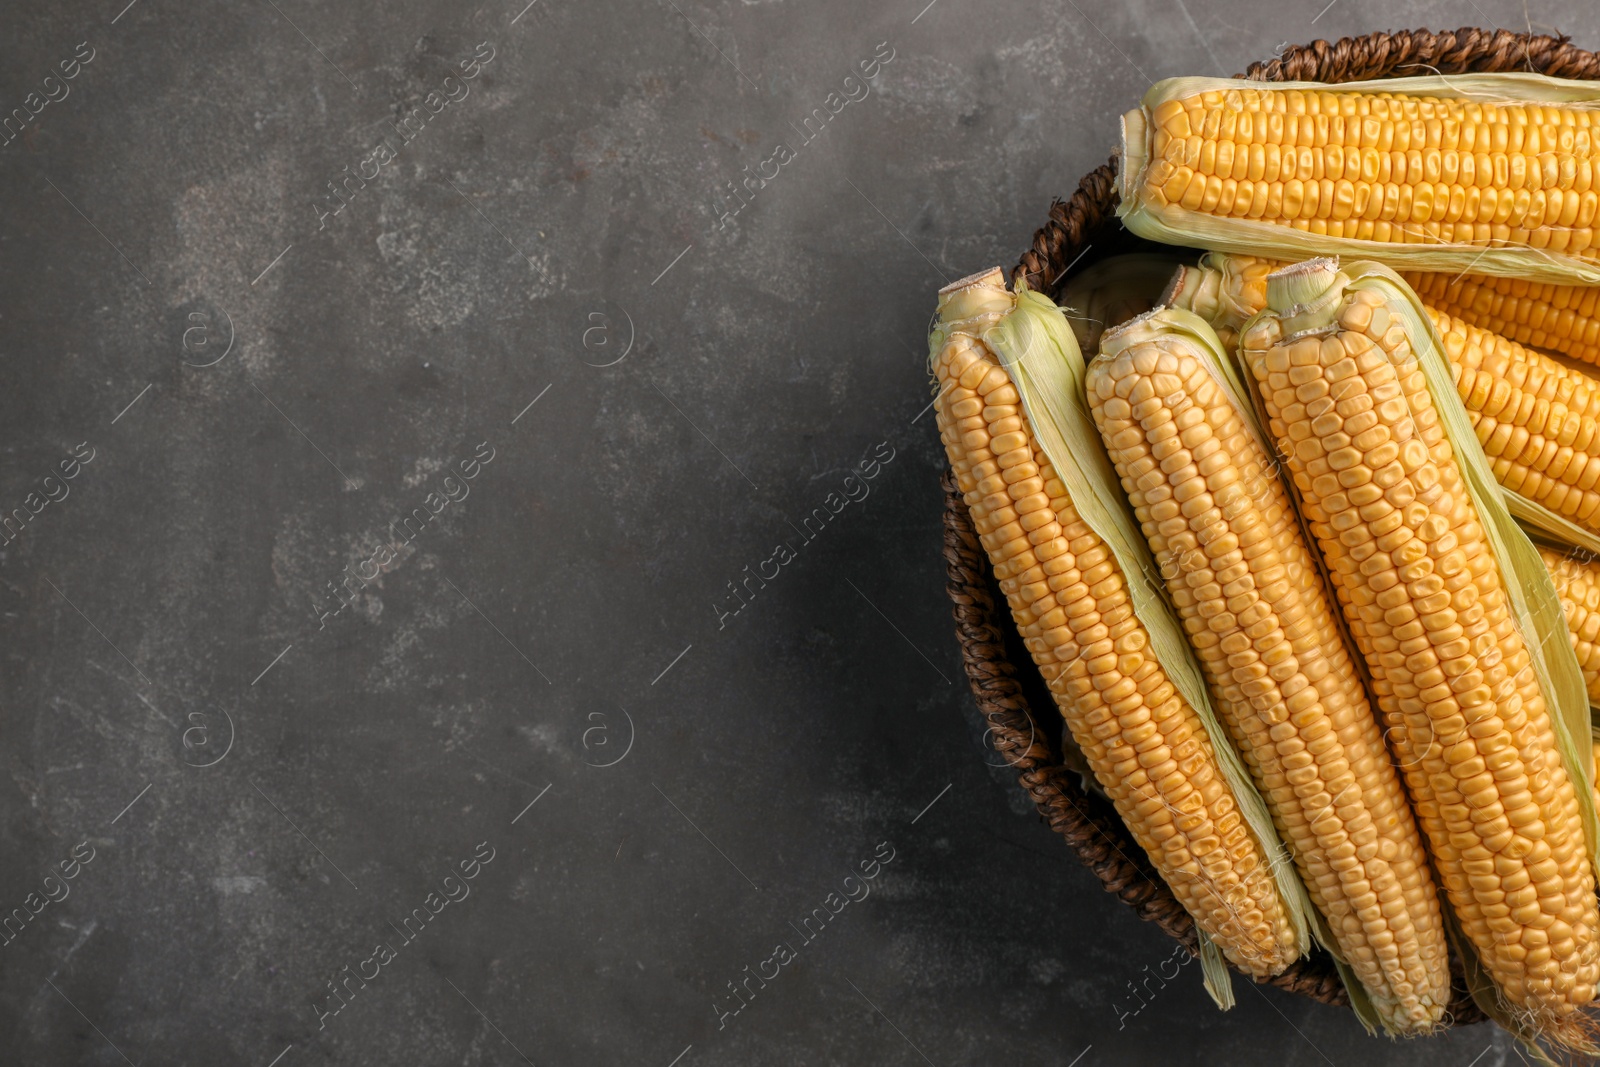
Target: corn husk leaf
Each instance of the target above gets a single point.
(1176, 225)
(1112, 291)
(1214, 973)
(1360, 1000)
(1041, 355)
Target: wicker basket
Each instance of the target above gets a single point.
(1010, 693)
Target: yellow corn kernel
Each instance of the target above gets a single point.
(1535, 418)
(1577, 579)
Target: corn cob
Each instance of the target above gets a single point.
(1535, 417)
(1226, 540)
(1559, 318)
(1577, 578)
(1348, 405)
(1144, 743)
(1495, 173)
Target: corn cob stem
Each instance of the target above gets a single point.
(1250, 595)
(1145, 745)
(1224, 290)
(1348, 405)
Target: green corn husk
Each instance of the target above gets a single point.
(1176, 225)
(1535, 608)
(1112, 291)
(1039, 352)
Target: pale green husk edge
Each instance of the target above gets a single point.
(1179, 226)
(1542, 520)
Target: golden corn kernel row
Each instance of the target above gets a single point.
(1577, 578)
(1453, 678)
(1535, 418)
(1144, 743)
(1559, 318)
(1251, 599)
(1385, 121)
(1381, 167)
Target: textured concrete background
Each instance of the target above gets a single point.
(267, 788)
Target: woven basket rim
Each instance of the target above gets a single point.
(1087, 221)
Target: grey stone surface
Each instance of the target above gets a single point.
(549, 239)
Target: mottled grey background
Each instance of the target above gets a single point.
(557, 218)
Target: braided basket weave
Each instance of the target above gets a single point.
(1021, 715)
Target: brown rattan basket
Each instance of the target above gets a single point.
(1009, 691)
